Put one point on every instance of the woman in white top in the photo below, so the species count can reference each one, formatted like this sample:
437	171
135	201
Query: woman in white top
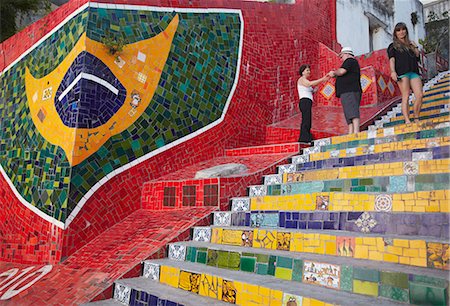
305	93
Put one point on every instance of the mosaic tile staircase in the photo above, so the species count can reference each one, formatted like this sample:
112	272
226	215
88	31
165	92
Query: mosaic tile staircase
376	232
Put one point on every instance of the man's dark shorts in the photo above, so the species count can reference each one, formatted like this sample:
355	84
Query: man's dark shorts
350	102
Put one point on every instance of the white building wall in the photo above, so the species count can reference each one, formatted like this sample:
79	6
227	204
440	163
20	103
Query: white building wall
403	10
353	18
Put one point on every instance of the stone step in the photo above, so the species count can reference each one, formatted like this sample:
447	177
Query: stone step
108	302
421	167
438	130
407	250
433	200
434	115
351	273
430	225
313	155
378	132
369	159
425	114
237	288
145	291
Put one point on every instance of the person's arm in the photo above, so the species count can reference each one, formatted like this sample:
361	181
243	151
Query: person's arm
415	48
394	75
340	71
308	83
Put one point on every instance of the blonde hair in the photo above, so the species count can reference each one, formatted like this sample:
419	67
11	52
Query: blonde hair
398	44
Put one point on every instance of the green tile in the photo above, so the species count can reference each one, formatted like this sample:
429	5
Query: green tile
262	258
399	280
262	268
284	262
394	293
347	278
234	260
191	254
212	258
297	270
201	257
422	294
248	264
437	282
366	274
271	268
283	273
222	259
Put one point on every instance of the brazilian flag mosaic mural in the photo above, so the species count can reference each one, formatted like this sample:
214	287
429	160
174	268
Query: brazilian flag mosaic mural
72	113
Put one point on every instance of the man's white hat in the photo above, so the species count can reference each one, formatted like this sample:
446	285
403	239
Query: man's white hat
347	50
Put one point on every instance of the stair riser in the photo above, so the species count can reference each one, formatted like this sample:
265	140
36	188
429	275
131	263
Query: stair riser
348	277
432	224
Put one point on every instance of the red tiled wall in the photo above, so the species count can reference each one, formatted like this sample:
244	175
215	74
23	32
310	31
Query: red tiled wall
273	49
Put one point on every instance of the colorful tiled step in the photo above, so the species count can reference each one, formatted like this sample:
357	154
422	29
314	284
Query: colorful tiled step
237	288
407	250
391	281
368	159
420	201
373	131
148	292
430	224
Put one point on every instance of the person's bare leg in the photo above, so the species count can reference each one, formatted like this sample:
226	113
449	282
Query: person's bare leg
355	124
405	90
416	85
350	128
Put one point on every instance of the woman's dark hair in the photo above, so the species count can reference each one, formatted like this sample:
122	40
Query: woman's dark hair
399	45
303	67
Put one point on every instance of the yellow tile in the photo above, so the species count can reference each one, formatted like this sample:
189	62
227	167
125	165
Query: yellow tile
375	255
315	302
420	262
366	288
401	243
390	258
394	250
411	252
417	244
404	260
330	248
361	251
369	241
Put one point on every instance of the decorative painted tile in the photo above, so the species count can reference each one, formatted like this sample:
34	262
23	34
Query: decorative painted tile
438	255
322	142
247	238
295	177
322	274
257	191
345	246
240	204
371	134
366	222
411	168
141	56
350	151
141	77
432	144
189	281
229	291
264	220
382	83
322	202
383	202
300	159
327	91
283	241
416	156
222	218
47	93
311	150
122	293
202	234
346	278
287	169
365	82
292	300
390	131
391	88
273	179
151	270
334	153
177	252
397	183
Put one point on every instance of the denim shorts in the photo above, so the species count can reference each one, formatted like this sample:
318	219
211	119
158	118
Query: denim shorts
409	75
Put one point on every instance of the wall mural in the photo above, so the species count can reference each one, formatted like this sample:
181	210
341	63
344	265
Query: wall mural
73	114
13	282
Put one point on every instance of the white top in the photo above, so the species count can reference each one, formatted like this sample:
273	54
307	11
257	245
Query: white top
304	92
